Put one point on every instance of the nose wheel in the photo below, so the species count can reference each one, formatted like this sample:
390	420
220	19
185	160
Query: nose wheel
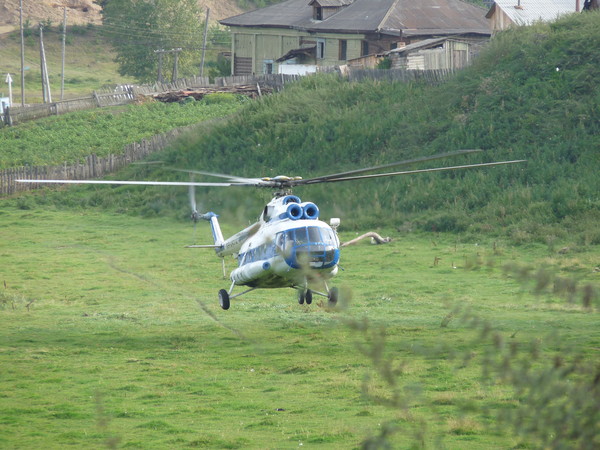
224	299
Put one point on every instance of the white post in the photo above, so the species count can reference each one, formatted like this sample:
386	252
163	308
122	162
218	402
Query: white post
9	81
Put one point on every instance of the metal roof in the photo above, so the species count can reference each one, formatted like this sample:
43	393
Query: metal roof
395	17
305	50
331	3
526	12
424	44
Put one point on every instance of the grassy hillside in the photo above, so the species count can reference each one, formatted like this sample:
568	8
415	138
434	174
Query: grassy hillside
69	139
88	63
533	94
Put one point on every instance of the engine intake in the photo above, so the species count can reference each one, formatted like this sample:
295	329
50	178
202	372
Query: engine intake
294	211
310	211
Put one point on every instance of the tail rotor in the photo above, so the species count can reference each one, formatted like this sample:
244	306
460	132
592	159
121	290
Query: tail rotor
195	216
192	195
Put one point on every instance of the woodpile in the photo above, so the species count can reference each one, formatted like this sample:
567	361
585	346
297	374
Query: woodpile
249	90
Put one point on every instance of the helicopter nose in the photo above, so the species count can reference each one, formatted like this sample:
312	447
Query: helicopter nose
313	256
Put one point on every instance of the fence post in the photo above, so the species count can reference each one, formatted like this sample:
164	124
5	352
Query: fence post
7	116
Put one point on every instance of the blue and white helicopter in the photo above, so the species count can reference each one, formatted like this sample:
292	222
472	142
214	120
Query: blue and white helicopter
289	246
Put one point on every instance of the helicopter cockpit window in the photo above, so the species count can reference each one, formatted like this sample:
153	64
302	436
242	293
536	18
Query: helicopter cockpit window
316	246
301	236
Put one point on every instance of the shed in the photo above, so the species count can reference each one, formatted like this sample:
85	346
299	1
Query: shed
506	13
433	54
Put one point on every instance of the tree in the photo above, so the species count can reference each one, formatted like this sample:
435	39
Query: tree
138	28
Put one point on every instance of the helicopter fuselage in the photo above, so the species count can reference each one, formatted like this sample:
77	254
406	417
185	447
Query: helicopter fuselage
288	247
288	253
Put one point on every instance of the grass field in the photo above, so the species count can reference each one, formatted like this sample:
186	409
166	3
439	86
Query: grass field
111	336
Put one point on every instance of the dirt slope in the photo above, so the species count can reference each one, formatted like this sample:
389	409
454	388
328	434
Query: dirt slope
84	11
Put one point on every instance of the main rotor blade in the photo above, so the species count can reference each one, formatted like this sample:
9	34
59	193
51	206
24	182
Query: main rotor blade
135	183
330	177
437	169
232	178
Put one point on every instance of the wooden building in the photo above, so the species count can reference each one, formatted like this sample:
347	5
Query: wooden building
298	36
507	13
437	53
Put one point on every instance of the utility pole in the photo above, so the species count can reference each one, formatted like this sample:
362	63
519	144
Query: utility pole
45	79
204	42
64	39
159	77
160	53
22	54
175	74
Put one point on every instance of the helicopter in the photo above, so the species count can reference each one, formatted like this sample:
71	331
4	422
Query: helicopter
288	246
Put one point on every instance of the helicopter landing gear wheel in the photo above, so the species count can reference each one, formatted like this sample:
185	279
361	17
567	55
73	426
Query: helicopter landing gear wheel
308	296
224	299
332	297
305	296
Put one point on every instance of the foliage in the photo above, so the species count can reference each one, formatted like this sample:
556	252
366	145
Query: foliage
70	138
219	68
557	395
385	63
137	29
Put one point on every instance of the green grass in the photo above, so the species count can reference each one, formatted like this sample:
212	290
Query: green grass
72	137
111	334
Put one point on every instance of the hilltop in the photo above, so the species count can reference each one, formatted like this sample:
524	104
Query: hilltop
82	12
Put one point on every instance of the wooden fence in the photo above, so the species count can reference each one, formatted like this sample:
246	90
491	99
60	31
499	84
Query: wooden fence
92	167
98	99
432	77
121	95
181	84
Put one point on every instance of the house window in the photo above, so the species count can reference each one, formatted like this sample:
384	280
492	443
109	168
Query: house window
320	48
268	66
318	13
364	48
343	50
